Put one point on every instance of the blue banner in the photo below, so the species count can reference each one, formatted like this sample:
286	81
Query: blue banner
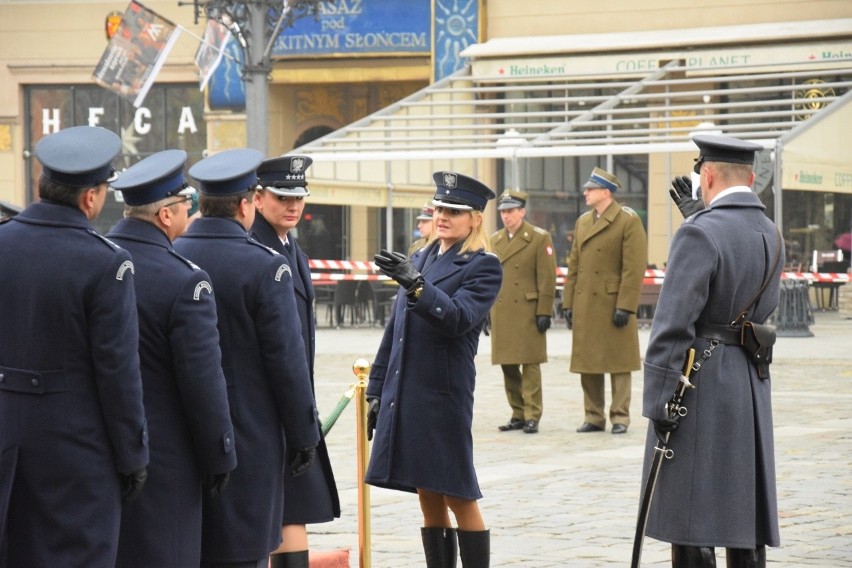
456	27
360	26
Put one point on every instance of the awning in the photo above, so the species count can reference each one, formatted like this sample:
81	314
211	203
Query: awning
583	104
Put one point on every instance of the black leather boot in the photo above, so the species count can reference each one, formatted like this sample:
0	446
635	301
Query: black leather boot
289	560
693	556
475	548
746	557
439	545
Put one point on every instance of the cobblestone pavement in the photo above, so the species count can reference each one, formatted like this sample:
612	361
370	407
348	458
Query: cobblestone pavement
562	499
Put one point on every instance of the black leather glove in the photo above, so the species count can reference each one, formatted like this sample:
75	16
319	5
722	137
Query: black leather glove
665	426
542	323
214	483
569	317
681	193
372	415
620	317
397	266
131	485
302	460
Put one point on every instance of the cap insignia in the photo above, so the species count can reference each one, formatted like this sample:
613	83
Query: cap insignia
450	181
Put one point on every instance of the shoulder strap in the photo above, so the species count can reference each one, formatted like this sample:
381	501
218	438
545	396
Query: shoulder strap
744	312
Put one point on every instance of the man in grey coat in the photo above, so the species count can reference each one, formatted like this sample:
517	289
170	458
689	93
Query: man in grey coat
719	487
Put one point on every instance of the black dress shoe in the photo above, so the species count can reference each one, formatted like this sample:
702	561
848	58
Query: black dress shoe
589	427
512	424
619	428
531	427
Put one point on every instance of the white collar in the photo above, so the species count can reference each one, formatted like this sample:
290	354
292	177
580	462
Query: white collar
729	191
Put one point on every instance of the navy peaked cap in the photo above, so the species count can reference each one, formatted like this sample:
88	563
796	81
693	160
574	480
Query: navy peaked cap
457	191
229	172
154	178
714	148
80	156
285	175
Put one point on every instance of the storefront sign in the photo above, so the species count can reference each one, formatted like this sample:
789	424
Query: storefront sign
360	26
702	60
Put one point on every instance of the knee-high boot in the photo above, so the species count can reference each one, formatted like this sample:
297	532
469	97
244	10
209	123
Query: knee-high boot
289	560
746	557
693	556
475	548
439	545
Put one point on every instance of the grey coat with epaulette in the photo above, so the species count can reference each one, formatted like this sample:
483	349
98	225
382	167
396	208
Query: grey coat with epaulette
719	488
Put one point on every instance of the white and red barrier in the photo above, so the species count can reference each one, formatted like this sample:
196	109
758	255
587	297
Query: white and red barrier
319	270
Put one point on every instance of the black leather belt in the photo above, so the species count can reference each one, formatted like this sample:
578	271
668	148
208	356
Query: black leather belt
721	333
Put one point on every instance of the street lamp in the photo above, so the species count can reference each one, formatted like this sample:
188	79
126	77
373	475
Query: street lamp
243	19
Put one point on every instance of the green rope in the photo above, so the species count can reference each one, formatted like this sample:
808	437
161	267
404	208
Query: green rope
337	411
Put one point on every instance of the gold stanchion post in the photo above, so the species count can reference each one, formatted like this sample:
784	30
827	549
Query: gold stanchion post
361	368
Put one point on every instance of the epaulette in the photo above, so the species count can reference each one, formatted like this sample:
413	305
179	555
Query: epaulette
628	210
257	243
185	260
539	230
104	240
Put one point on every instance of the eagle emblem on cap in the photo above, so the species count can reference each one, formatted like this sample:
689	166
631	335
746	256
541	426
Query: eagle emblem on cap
297	165
450	180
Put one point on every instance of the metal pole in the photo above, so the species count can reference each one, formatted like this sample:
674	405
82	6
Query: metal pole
361	368
256	73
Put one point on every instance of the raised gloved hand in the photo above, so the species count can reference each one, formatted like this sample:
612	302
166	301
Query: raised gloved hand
542	323
681	193
214	483
397	266
620	317
569	319
664	426
372	415
302	460
131	485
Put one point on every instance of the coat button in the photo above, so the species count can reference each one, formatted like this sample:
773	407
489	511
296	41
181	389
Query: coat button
438	310
34	382
2	377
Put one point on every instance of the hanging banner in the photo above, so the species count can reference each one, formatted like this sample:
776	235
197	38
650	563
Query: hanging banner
211	50
136	52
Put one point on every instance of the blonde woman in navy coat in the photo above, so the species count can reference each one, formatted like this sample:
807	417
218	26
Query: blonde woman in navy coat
186	402
422	381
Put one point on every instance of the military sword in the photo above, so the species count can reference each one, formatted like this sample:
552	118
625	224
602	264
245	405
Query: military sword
676	411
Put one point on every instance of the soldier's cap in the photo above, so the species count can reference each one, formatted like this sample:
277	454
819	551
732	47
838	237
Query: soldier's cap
80	156
229	172
285	176
601	178
457	191
714	148
426	213
511	199
156	177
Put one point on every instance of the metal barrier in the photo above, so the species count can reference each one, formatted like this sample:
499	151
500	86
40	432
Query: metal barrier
793	316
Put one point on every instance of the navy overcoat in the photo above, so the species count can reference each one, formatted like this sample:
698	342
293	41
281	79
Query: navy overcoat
269	387
71	414
312	496
425	374
186	403
719	488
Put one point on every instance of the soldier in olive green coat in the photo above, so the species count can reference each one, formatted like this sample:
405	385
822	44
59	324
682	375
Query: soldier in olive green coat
605	272
521	315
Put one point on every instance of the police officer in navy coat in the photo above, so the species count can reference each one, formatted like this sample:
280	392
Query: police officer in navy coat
72	426
263	357
191	436
310	497
422	381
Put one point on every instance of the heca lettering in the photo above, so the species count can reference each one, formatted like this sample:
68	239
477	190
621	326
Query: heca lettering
51	120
